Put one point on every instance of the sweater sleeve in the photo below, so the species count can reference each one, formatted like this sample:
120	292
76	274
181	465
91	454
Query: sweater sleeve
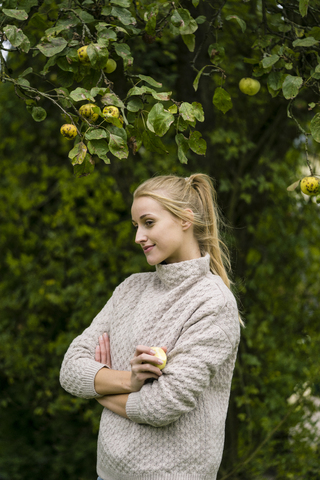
203	348
79	368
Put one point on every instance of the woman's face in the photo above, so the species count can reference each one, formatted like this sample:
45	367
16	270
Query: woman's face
163	237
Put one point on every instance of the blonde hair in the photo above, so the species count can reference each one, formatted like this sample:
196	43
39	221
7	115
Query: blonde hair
177	194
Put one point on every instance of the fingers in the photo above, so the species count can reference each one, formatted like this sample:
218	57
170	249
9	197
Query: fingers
103	352
97	354
103	349
107	343
164	349
143	349
146	363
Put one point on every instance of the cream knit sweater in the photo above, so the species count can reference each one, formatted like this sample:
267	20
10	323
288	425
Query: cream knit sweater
176	424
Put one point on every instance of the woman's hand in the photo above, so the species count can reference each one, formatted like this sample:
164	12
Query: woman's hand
103	353
141	369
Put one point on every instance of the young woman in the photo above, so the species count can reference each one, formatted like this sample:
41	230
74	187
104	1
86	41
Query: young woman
163	424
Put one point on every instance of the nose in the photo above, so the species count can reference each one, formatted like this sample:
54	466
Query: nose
140	236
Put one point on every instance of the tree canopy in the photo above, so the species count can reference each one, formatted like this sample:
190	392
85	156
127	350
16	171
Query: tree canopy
76	46
66	242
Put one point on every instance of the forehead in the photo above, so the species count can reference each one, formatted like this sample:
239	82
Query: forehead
146	205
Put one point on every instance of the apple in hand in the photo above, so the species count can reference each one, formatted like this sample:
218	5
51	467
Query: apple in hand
160	354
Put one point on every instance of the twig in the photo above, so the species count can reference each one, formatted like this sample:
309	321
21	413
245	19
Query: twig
264	15
84	26
307	156
207	32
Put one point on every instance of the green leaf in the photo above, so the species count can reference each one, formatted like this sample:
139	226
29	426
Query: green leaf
78	153
314	32
98	55
190	41
52	47
216	53
124	52
99	91
152	143
198	111
95	134
196	80
23	82
173	109
85	168
305	42
186	110
162	96
241	22
80	94
63	63
275	80
112	99
120	132
222	100
150	17
30	70
183	147
17	38
195	3
139	91
252	61
150	80
121	3
269	61
85	16
98	147
38	114
18	14
263	42
65	79
182	19
159	120
201	19
106	33
303	7
135	104
123	15
315	127
118	147
197	143
291	86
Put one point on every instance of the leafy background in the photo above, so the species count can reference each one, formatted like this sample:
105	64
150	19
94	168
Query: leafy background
67	242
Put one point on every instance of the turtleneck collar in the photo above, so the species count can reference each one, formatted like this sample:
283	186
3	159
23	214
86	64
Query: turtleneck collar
173	274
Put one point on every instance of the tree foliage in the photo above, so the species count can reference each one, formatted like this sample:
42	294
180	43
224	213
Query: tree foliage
73	42
66	243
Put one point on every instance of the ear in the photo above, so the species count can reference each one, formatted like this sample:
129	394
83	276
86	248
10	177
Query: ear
187	223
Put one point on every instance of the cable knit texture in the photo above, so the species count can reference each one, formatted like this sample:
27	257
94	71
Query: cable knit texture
176	424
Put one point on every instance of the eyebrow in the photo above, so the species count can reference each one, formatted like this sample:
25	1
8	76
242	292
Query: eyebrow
142	216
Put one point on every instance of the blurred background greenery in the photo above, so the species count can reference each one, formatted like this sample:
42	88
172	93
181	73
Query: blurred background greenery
67	242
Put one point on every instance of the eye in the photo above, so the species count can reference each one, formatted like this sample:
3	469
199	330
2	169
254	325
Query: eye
135	226
149	223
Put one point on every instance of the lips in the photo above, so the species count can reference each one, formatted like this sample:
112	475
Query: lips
147	248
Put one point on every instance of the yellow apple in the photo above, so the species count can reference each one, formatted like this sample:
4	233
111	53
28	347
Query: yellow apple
159	354
69	131
87	112
83	55
310	186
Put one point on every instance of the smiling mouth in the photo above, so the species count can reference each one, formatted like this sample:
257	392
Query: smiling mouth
148	248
